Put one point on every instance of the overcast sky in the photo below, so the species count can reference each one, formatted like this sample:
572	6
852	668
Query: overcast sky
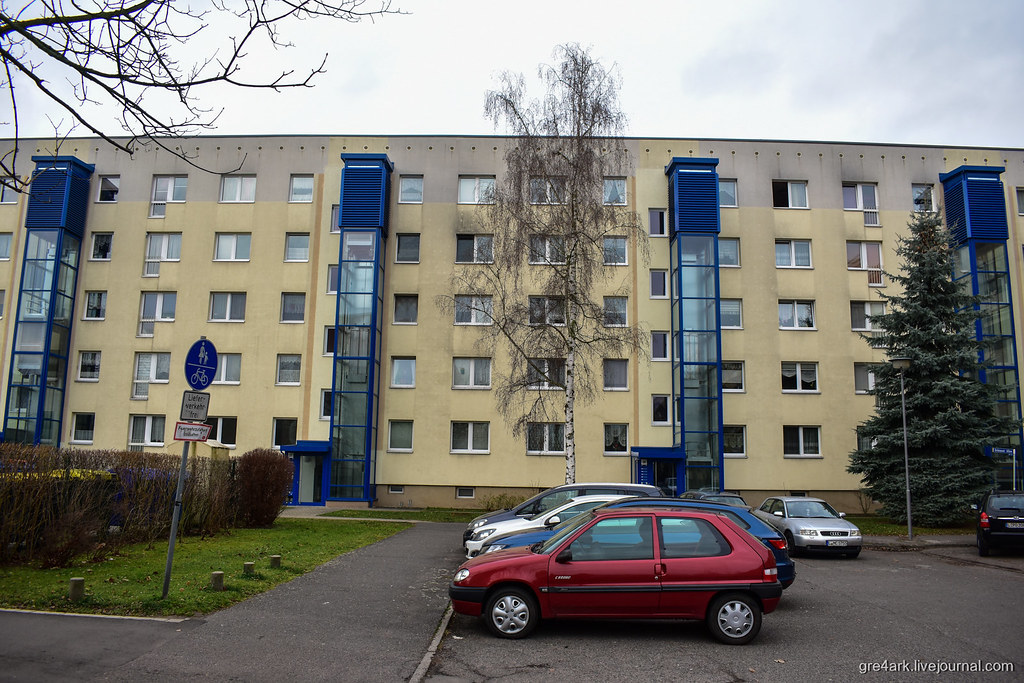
904	71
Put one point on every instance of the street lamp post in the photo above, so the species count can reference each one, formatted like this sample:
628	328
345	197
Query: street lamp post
902	364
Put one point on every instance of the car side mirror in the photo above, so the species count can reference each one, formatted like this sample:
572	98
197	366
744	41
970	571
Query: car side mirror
777	513
974	506
842	514
564	556
554	521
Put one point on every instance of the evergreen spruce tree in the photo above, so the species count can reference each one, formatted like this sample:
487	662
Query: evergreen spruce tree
950	413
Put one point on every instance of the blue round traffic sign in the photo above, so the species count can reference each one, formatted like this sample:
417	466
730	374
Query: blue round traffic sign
201	364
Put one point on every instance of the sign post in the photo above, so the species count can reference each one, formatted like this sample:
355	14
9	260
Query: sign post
1013	453
200	369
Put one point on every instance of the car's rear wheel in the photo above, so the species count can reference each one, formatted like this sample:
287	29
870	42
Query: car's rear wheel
511	613
983	547
734	618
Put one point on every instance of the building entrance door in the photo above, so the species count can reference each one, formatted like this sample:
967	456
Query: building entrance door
310	475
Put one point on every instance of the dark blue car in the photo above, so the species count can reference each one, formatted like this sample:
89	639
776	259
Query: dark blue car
743	517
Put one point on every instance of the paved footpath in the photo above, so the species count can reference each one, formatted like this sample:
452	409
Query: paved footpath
368	615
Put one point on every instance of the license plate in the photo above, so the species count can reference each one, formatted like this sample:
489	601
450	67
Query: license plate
835	542
1015	525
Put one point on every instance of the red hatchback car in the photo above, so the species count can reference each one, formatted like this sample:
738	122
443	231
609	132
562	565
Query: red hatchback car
630	563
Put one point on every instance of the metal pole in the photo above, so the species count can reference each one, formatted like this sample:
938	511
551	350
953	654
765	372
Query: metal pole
906	456
174	519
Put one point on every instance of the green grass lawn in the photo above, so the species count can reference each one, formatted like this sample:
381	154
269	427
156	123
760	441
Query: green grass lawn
424	515
131	582
880	526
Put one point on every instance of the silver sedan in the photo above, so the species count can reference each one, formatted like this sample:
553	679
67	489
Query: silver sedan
811	525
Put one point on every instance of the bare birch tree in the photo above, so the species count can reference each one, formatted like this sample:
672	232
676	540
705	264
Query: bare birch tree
558	217
140	57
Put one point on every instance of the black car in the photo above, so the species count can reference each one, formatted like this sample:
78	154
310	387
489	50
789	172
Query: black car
1000	521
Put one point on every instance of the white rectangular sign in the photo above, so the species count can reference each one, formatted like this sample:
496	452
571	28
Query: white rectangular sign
191	431
194	406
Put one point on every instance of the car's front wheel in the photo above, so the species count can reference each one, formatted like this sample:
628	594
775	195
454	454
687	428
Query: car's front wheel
511	613
791	542
734	618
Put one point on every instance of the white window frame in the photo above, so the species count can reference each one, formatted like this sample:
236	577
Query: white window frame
161	247
476	189
217	430
229	299
617	426
297	193
743	436
473	369
399	238
656	223
480	308
862	200
102	296
281	357
228	362
400	366
919	190
803	441
791	185
335	218
794	305
546	250
791	251
1020	201
146	325
547	310
391	436
668	349
407	297
545	430
615	311
735	197
6	239
326	404
876	276
108	184
229	242
668	410
743	376
863	371
731	240
547	190
288	249
798	368
8	195
540	370
483	248
739	309
333	278
607	364
291	297
167	189
283	421
865	308
615	250
465	492
238	188
97	358
75	430
614	193
140	383
110	246
410	189
471	429
150	424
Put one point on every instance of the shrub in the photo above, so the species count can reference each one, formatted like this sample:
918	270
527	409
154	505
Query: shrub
264	477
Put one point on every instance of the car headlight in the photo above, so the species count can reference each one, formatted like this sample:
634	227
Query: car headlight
481	535
855	532
808	532
461	575
492	548
478	523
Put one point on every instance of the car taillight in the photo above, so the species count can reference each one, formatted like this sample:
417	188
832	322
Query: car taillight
983	521
771	574
779	543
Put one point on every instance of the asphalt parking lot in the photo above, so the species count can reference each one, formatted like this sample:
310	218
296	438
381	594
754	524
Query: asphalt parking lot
884	614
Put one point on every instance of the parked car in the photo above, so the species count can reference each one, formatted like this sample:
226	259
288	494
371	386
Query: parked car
1000	521
633	563
811	525
727	497
743	517
550	518
556	496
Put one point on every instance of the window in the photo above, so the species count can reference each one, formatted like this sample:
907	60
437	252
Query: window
161	246
792	253
329	340
800	377
471	437
862	197
473	249
406	309
358	246
3	298
285	431
659	346
293	307
296	246
545	373
231	246
547	249
615	439
288	368
332	278
335	214
229	369
732	313
301	189
923	197
167	189
410	189
8	195
84	427
861	312
408	248
465	492
110	185
615	191
325	404
476	190
224	430
659	409
102	242
727	193
1020	201
615	311
156	307
729	252
732	375
403	372
545	437
547	190
235	189
400	435
734	441
615	374
863	378
656	223
474	310
150	368
145	430
801	441
796	315
614	251
866	256
5	246
471	373
547	310
95	306
89	366
227	307
788	194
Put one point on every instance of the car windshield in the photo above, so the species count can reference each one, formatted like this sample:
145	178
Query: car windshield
1012	503
564	530
810	508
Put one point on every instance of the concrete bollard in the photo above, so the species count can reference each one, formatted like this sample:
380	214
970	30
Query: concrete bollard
275	561
76	589
217	581
247	568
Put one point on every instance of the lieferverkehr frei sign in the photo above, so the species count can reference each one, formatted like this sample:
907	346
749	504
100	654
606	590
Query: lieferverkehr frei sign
195	405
